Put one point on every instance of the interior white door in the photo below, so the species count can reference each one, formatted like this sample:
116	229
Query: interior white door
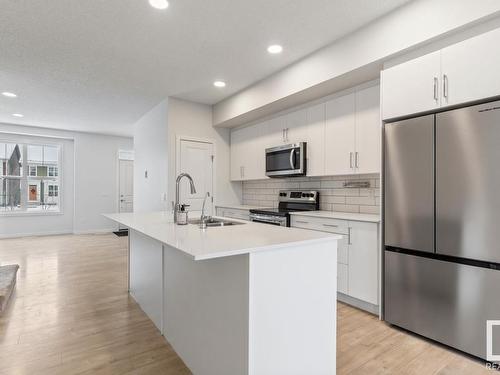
368	130
470	69
126	187
196	158
340	135
412	87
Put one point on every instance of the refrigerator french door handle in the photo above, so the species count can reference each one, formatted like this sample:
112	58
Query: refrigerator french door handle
445	86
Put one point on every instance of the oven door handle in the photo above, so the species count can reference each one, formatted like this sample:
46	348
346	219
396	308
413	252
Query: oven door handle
265	219
292	158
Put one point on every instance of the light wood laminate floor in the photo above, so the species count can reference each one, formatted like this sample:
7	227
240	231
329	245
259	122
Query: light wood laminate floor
71	314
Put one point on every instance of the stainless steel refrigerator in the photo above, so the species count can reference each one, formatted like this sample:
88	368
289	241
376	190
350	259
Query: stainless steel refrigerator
442	226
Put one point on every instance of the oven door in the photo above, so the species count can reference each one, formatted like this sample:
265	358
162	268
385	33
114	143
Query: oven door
287	160
281	221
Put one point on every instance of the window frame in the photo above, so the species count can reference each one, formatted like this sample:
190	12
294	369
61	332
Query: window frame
23	142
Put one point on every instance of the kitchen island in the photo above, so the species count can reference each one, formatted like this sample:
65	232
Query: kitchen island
239	299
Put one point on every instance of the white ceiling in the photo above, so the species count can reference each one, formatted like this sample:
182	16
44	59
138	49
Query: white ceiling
99	65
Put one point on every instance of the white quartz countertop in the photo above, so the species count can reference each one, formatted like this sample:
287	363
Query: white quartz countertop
340	215
216	242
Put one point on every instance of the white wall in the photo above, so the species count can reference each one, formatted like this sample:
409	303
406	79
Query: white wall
363	52
195	120
97	180
151	155
90	183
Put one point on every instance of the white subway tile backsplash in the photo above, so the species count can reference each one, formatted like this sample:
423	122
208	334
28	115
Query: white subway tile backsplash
369	210
366	201
333	195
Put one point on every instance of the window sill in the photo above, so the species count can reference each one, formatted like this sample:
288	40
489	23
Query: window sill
24	213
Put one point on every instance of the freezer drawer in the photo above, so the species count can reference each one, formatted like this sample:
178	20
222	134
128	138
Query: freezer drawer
409	184
468	182
444	301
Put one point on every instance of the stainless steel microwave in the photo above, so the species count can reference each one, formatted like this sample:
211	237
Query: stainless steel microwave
287	160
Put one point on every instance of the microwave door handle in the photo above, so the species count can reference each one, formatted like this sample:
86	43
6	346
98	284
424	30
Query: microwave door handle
292	158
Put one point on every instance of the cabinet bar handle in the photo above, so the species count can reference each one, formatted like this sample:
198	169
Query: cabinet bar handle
330	225
357	160
445	86
301	222
350	159
435	88
349	236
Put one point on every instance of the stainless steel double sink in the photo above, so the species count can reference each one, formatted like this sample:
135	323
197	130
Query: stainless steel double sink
214	222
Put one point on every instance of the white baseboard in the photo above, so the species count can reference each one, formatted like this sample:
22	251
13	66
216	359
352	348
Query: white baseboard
94	231
57	233
35	234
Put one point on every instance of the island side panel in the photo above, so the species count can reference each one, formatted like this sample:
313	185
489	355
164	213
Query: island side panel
146	275
206	312
293	311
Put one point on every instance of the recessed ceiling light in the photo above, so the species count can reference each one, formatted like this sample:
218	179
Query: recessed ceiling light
17	115
9	94
275	48
159	4
220	84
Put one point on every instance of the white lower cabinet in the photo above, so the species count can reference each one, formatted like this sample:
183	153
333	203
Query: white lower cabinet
363	262
357	254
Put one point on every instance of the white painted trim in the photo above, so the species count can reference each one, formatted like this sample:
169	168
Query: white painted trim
35	234
126	155
94	231
37	135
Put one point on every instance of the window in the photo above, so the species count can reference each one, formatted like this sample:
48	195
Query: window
53	191
31	186
53	172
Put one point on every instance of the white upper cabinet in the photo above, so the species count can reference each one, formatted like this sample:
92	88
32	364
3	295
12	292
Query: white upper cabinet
296	126
315	138
368	131
412	87
352	133
275	134
471	69
247	153
340	135
461	73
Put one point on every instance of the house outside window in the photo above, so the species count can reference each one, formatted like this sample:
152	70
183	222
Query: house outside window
29	178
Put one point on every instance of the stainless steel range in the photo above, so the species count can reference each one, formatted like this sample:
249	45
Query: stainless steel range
289	201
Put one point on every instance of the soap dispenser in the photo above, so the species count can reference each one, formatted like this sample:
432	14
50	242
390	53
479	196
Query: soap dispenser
182	215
